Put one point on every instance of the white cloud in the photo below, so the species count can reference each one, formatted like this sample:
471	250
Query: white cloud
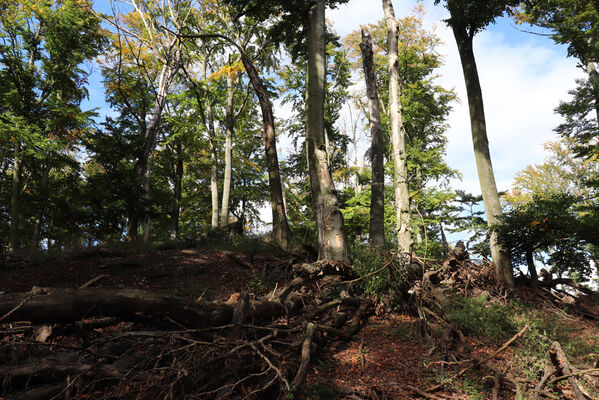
523	79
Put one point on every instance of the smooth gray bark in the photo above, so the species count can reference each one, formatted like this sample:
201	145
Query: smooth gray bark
377	200
143	164
13	237
177	190
229	122
209	125
398	138
484	167
329	220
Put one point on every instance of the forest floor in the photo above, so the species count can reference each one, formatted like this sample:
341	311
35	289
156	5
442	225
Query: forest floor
387	356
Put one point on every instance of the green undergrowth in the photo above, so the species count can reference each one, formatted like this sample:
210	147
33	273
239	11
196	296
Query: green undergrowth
390	283
494	322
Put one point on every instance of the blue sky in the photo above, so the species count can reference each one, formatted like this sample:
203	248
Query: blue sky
523	77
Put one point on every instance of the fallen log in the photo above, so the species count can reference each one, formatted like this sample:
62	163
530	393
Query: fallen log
68	305
563	368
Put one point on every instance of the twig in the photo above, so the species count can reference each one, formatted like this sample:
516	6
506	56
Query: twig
361	352
306	347
274	368
475	362
93	280
370	273
539	386
421	392
8	314
566	376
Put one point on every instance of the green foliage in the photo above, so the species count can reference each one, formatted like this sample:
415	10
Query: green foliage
551	226
478	316
389	283
474	16
495	321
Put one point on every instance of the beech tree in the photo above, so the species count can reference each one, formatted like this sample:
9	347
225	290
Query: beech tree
467	18
377	191
42	47
329	220
574	23
148	30
398	139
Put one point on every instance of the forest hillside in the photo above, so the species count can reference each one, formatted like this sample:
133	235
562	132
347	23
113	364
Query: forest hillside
260	207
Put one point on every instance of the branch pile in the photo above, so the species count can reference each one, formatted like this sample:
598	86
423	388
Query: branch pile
133	344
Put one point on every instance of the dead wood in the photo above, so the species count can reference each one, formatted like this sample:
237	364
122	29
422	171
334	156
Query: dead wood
478	362
219	350
563	368
68	305
44	392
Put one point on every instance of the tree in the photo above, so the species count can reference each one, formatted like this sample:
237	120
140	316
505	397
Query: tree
329	220
377	191
425	106
549	225
574	24
151	26
398	139
243	38
42	85
467	18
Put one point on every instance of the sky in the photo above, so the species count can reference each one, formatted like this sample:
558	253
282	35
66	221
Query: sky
523	78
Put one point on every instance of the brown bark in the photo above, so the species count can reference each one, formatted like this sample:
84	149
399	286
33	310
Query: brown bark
501	260
329	220
67	305
377	200
532	269
398	138
280	225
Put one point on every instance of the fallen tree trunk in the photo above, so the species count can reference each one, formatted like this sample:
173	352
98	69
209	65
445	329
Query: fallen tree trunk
68	305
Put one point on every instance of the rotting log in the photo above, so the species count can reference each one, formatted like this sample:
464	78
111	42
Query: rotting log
563	368
68	305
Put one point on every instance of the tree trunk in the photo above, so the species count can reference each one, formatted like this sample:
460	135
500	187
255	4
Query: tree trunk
229	122
594	80
209	125
68	305
37	226
377	200
280	226
14	199
503	266
178	180
532	269
142	166
213	165
329	220
398	138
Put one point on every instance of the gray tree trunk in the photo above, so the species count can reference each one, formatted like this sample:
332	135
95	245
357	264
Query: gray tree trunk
398	138
229	122
178	180
329	220
142	166
37	226
212	141
377	200
13	237
501	260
